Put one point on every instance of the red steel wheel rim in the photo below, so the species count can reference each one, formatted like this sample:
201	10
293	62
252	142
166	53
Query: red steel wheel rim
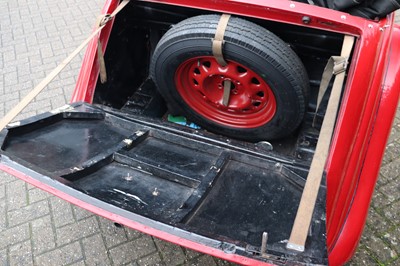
200	82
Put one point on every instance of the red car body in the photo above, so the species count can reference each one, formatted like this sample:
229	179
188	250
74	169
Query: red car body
362	128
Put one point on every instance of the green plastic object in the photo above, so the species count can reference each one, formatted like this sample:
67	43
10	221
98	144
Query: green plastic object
181	120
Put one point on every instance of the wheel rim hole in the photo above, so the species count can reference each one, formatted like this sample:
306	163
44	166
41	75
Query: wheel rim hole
195	82
256	104
207	64
197	71
260	94
255	81
241	70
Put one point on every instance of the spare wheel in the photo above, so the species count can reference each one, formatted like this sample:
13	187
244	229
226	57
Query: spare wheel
268	84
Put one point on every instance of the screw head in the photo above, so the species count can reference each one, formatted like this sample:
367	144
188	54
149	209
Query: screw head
306	20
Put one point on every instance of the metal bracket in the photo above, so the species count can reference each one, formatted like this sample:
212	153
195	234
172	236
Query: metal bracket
339	64
227	92
264	241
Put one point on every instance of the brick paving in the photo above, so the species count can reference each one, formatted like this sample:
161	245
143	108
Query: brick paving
37	228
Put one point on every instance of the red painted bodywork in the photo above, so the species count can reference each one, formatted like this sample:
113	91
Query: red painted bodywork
365	118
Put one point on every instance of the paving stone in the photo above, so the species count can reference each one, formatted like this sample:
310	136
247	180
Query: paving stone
62	212
6	178
57	102
3	257
379	200
95	251
221	262
134	263
21	254
11	96
16	195
25	85
40	107
10	104
75	231
392	212
14	235
394	133
36	195
191	254
132	250
392	152
391	190
202	260
132	234
3	215
21	47
362	257
80	213
45	50
395	262
2	191
377	222
62	256
48	94
25	115
377	247
80	263
392	237
171	254
391	170
112	235
8	57
43	237
30	186
10	79
152	259
28	213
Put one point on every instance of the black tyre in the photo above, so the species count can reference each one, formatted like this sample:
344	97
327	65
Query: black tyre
269	85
